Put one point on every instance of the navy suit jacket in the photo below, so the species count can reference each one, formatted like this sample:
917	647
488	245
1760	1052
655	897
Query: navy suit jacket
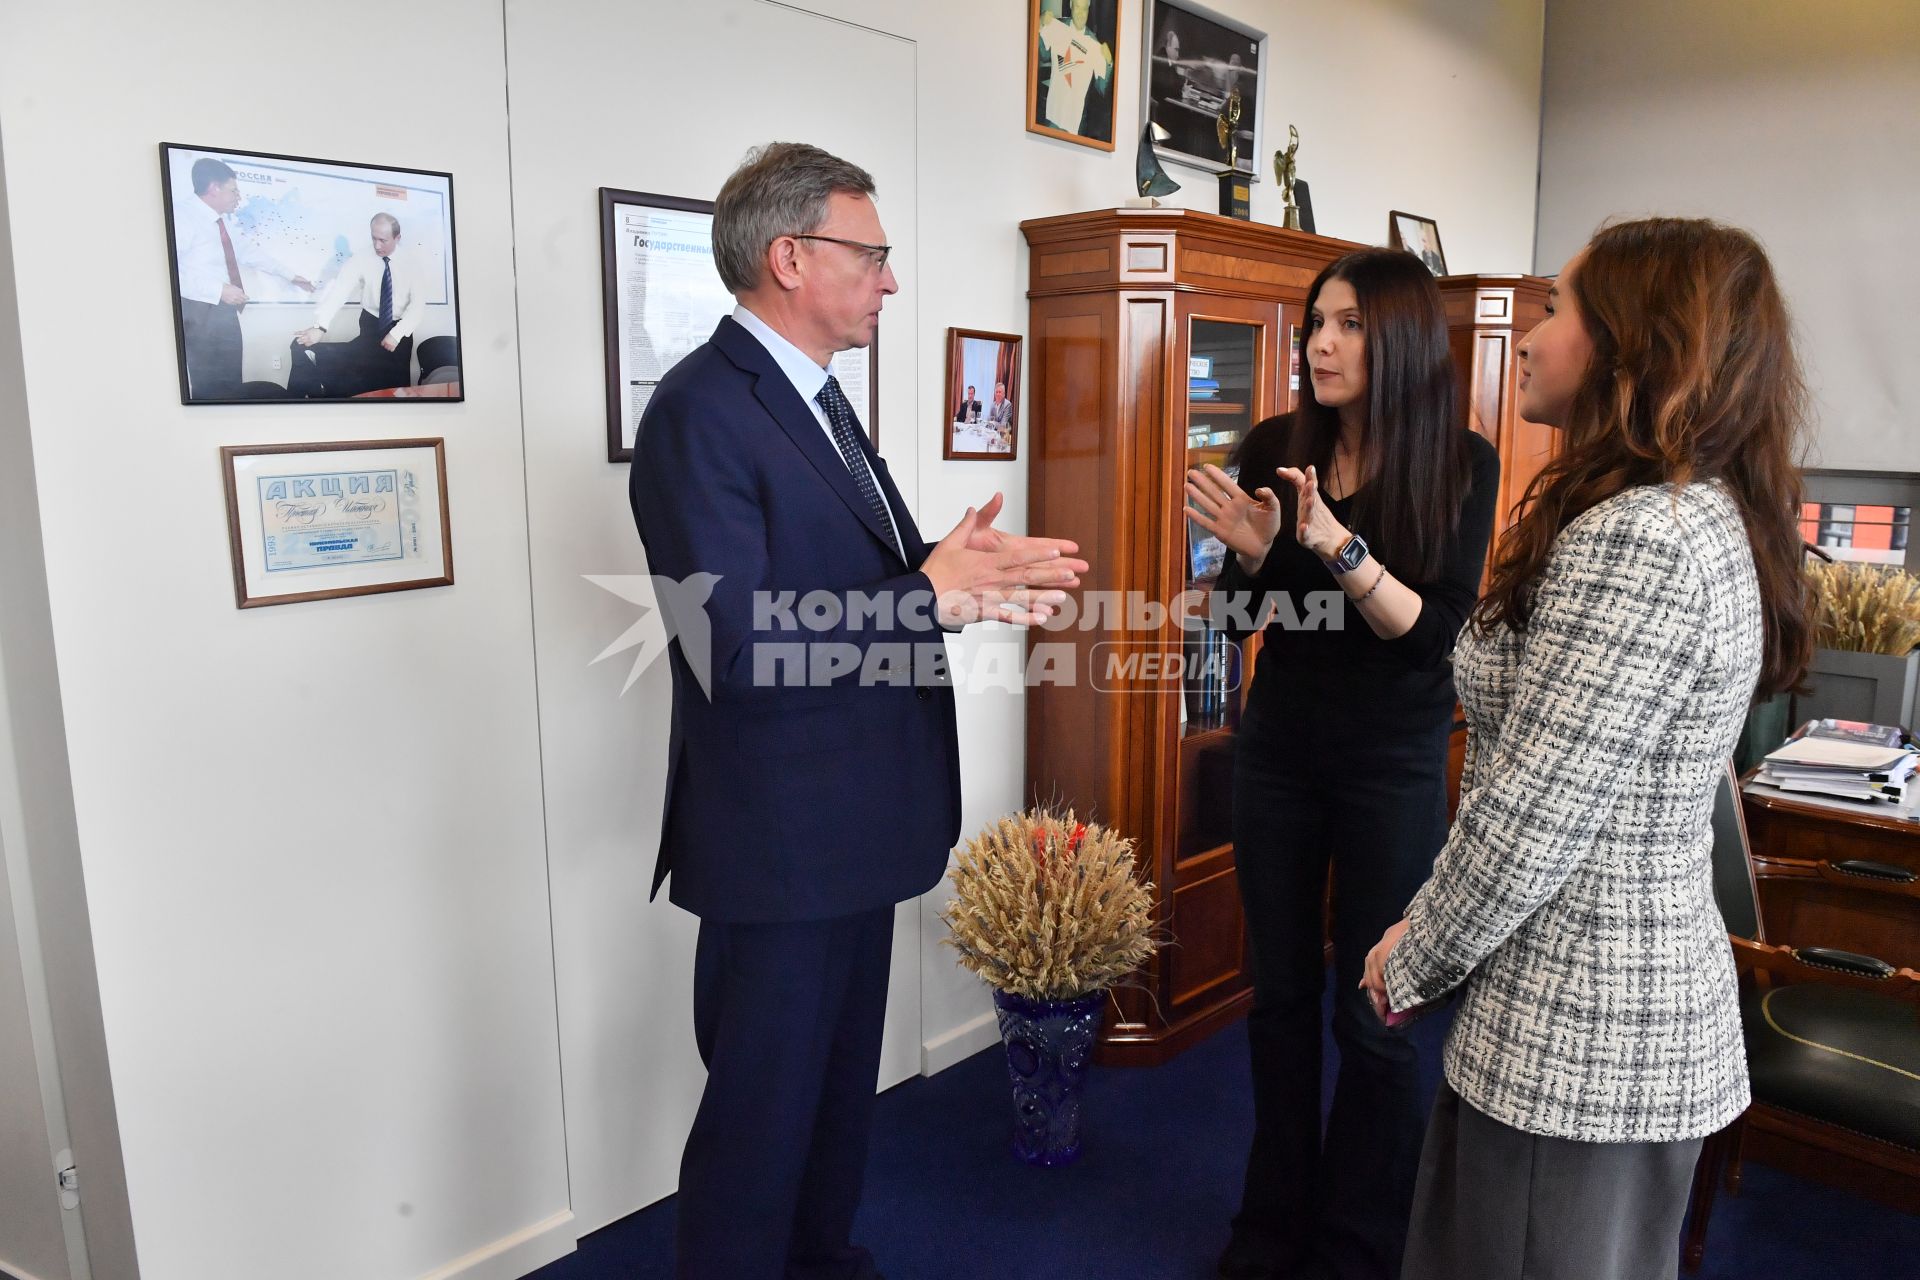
789	803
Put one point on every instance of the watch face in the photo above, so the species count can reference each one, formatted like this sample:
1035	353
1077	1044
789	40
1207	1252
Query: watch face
1353	555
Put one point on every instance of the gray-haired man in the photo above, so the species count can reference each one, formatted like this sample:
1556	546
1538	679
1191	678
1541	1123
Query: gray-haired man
798	814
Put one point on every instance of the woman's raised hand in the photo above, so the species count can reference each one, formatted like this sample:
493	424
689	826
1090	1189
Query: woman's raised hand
1247	524
1314	527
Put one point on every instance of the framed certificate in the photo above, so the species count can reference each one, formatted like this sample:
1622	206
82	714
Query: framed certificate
661	297
320	521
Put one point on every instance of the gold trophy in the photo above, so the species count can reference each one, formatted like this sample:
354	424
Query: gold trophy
1283	173
1235	187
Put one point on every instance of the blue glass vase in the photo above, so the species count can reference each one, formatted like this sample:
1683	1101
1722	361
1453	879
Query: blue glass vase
1049	1047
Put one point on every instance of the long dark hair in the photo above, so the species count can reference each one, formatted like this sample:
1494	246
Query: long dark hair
1418	467
1693	377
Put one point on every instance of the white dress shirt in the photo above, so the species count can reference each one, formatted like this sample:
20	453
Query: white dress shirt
363	271
202	260
807	378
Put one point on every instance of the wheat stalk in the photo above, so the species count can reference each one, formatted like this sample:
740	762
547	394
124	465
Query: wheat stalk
1049	908
1865	608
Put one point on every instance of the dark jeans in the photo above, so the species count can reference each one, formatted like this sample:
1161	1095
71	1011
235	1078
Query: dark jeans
1306	796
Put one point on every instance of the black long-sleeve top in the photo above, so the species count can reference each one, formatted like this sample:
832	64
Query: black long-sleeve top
1403	684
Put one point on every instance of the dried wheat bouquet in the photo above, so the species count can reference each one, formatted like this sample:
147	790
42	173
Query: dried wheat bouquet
1048	908
1864	608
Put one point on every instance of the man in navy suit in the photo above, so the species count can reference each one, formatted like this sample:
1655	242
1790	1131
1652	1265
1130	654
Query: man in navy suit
813	774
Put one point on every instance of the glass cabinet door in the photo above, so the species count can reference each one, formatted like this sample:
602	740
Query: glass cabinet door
1223	388
1231	381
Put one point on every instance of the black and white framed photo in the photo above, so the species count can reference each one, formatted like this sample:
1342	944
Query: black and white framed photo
302	279
323	521
661	296
982	409
1071	46
1196	62
1420	237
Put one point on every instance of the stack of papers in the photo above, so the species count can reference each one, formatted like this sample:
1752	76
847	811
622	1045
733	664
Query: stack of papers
1844	758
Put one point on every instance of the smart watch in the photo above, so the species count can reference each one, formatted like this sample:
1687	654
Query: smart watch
1351	555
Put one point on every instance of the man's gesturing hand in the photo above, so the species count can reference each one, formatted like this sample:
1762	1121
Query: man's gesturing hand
980	573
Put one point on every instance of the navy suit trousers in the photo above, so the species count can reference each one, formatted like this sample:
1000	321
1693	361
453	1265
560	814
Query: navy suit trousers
788	1019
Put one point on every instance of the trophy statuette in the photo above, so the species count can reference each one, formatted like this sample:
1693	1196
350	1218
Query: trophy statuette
1283	172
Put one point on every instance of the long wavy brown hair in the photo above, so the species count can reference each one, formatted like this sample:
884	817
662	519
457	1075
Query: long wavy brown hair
1693	378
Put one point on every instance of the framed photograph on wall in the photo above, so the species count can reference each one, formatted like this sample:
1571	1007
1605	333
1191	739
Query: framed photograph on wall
982	409
1195	61
1070	61
303	279
322	521
661	297
1420	237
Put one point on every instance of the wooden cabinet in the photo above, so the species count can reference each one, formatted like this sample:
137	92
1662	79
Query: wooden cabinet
1487	317
1158	338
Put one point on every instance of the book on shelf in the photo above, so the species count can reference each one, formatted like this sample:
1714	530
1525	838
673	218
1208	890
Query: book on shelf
1211	666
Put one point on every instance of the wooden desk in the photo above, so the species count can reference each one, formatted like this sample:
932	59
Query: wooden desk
1781	826
432	391
1806	901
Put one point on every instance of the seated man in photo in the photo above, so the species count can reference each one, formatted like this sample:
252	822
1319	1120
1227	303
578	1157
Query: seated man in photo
392	302
968	410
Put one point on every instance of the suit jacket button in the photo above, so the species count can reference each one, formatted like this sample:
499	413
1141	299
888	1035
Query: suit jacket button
921	692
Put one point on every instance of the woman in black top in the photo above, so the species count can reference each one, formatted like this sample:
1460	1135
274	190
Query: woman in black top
1383	497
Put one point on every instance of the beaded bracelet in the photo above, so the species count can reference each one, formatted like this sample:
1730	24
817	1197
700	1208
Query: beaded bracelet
1362	599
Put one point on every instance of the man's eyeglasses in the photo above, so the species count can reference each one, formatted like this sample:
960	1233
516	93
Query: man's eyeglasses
879	251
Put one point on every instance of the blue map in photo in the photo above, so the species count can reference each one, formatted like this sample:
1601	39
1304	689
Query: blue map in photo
312	217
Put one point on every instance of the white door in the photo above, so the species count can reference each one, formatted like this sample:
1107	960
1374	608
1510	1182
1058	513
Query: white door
661	98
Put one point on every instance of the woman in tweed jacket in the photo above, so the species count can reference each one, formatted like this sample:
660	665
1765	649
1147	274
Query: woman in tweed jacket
1650	587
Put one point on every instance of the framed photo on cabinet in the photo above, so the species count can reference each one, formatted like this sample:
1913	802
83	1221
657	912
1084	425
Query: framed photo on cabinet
1420	237
323	521
982	409
1201	83
1070	62
303	279
661	297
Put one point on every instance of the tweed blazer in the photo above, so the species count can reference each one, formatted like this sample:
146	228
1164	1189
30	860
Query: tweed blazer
1574	896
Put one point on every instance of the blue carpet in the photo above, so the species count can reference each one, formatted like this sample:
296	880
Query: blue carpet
1160	1176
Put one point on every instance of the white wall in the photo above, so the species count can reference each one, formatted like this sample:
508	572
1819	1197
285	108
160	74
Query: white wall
56	1091
32	1238
1798	121
333	1023
311	834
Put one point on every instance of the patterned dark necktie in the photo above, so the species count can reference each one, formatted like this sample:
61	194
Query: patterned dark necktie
386	297
846	438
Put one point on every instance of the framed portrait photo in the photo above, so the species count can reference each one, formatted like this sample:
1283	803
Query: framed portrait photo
302	279
661	297
982	409
1201	80
322	521
1418	236
1071	47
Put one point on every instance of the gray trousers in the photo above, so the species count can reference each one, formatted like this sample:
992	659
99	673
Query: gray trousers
1494	1203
